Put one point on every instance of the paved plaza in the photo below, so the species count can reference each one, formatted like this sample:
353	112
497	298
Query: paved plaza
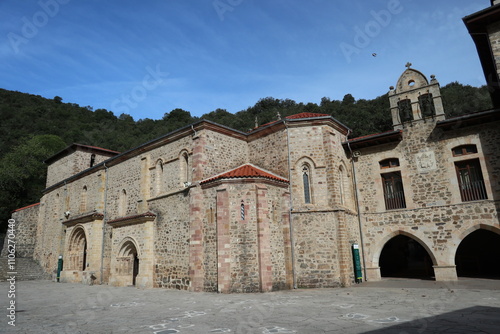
390	306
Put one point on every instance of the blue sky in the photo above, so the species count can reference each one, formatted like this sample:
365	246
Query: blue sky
146	58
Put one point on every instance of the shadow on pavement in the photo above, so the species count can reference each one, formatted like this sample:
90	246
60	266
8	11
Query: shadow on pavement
477	319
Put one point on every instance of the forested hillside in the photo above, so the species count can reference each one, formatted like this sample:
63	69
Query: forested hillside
33	128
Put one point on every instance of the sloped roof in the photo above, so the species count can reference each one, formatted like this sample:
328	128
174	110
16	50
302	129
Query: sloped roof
243	172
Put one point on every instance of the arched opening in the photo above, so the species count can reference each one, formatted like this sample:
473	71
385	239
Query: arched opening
77	252
83	200
128	262
478	255
159	177
185	175
426	105
122	203
404	257
405	110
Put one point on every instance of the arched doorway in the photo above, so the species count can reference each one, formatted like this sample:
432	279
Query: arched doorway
77	251
478	255
404	257
128	261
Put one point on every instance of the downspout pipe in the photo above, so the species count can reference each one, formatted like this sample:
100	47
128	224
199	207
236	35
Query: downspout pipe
290	221
62	244
357	204
104	219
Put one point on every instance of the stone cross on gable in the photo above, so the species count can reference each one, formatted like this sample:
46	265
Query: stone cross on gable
408	65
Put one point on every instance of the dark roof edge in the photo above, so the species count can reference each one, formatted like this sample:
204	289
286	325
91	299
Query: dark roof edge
74	146
118	156
371	137
289	120
465	117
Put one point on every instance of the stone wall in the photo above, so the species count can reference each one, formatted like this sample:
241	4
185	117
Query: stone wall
26	220
246	240
73	163
435	215
270	151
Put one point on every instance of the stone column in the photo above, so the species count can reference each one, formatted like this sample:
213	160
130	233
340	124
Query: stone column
196	256
223	242
445	273
263	240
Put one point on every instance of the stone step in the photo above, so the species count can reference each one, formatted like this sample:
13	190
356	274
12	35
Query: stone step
26	269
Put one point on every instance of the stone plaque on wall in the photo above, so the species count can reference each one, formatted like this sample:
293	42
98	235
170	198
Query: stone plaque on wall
426	161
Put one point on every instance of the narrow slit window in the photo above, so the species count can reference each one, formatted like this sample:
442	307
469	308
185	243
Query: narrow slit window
306	181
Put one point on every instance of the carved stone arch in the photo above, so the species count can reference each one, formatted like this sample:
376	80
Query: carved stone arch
389	236
127	260
404	254
76	258
305	159
124	247
477	253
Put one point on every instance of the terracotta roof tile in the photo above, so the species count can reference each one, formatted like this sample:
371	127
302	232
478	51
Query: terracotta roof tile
306	115
26	207
245	171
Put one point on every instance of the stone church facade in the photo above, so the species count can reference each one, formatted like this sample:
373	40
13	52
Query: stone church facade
209	208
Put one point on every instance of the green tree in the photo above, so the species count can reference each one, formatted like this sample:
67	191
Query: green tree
23	173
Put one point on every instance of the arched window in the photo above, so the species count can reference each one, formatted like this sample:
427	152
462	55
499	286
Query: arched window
122	203
306	180
341	186
405	111
92	160
184	170
83	200
159	177
426	105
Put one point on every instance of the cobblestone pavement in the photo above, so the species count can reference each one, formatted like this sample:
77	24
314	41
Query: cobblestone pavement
390	306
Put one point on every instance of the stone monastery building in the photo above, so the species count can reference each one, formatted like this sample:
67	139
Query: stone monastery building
209	208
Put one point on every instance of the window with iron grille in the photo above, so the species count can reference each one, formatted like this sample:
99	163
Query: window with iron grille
470	180
394	196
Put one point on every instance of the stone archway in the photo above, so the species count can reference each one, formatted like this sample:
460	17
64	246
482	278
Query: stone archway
77	251
403	256
478	255
127	263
